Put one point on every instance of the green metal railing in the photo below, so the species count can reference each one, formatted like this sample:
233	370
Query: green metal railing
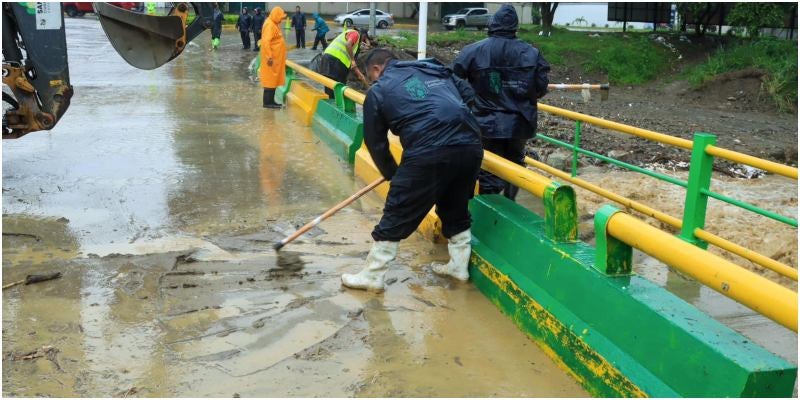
698	185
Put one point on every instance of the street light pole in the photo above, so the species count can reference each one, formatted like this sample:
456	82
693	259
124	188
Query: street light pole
422	39
372	19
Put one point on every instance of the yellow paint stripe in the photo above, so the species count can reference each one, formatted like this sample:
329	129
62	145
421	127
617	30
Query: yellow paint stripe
306	97
597	364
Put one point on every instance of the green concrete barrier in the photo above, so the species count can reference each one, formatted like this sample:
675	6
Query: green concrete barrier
618	335
282	91
342	131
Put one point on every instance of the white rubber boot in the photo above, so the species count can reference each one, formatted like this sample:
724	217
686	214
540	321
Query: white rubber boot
371	277
460	249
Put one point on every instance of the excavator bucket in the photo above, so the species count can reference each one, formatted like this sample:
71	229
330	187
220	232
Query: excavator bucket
144	41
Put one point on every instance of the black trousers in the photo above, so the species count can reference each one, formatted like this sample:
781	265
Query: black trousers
256	37
320	39
331	67
444	178
300	37
512	149
245	39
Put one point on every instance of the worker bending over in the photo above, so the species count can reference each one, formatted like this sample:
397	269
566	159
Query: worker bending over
339	58
426	106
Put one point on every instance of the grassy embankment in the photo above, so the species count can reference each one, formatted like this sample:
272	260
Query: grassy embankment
635	58
777	59
629	59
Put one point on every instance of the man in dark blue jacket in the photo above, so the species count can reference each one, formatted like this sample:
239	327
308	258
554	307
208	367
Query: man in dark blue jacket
508	76
258	23
425	105
299	25
245	25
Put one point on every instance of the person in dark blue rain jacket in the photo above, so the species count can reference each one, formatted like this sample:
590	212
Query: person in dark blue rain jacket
424	104
508	76
245	24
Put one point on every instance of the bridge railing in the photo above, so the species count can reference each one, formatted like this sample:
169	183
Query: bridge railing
697	186
561	216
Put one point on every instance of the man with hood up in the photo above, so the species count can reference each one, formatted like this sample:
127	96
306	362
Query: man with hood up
273	57
245	25
426	106
258	23
322	29
508	76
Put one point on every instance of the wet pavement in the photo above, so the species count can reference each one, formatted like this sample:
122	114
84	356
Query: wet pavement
159	195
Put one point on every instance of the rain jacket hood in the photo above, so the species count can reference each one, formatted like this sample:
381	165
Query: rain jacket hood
508	76
276	15
273	46
504	22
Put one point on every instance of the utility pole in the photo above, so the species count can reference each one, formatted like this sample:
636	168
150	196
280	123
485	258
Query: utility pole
372	19
422	40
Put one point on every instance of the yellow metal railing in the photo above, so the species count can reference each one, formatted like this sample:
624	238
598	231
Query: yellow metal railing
715	151
729	155
676	223
756	292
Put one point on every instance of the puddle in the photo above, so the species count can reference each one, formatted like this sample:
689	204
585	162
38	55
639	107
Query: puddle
173	184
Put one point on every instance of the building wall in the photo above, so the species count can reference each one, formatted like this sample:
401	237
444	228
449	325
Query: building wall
398	9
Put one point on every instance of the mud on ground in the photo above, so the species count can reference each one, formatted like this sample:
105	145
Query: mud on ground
224	316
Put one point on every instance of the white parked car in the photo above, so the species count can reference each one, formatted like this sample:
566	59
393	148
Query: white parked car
360	17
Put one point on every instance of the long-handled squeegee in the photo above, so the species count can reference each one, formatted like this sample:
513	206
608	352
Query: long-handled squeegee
277	246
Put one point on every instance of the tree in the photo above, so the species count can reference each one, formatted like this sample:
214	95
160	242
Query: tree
701	13
754	16
536	15
548	11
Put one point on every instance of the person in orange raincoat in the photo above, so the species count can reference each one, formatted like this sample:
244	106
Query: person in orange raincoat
273	57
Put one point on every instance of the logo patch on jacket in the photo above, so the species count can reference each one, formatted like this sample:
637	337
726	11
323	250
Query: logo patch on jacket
416	88
495	82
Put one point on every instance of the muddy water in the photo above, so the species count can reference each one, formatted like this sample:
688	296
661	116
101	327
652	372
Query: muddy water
158	196
750	230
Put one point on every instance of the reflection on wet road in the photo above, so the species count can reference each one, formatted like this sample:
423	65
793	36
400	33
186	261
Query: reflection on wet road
158	196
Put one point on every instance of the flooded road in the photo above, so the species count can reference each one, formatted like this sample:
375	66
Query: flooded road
159	195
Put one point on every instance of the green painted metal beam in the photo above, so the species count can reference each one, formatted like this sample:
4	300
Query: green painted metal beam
665	178
618	335
342	131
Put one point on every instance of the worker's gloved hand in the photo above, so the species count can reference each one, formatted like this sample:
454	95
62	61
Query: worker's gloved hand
387	169
269	62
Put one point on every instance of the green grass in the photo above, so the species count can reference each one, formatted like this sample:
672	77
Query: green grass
777	58
627	59
228	19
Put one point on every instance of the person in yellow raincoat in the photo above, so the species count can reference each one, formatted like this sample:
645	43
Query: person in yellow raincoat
273	57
